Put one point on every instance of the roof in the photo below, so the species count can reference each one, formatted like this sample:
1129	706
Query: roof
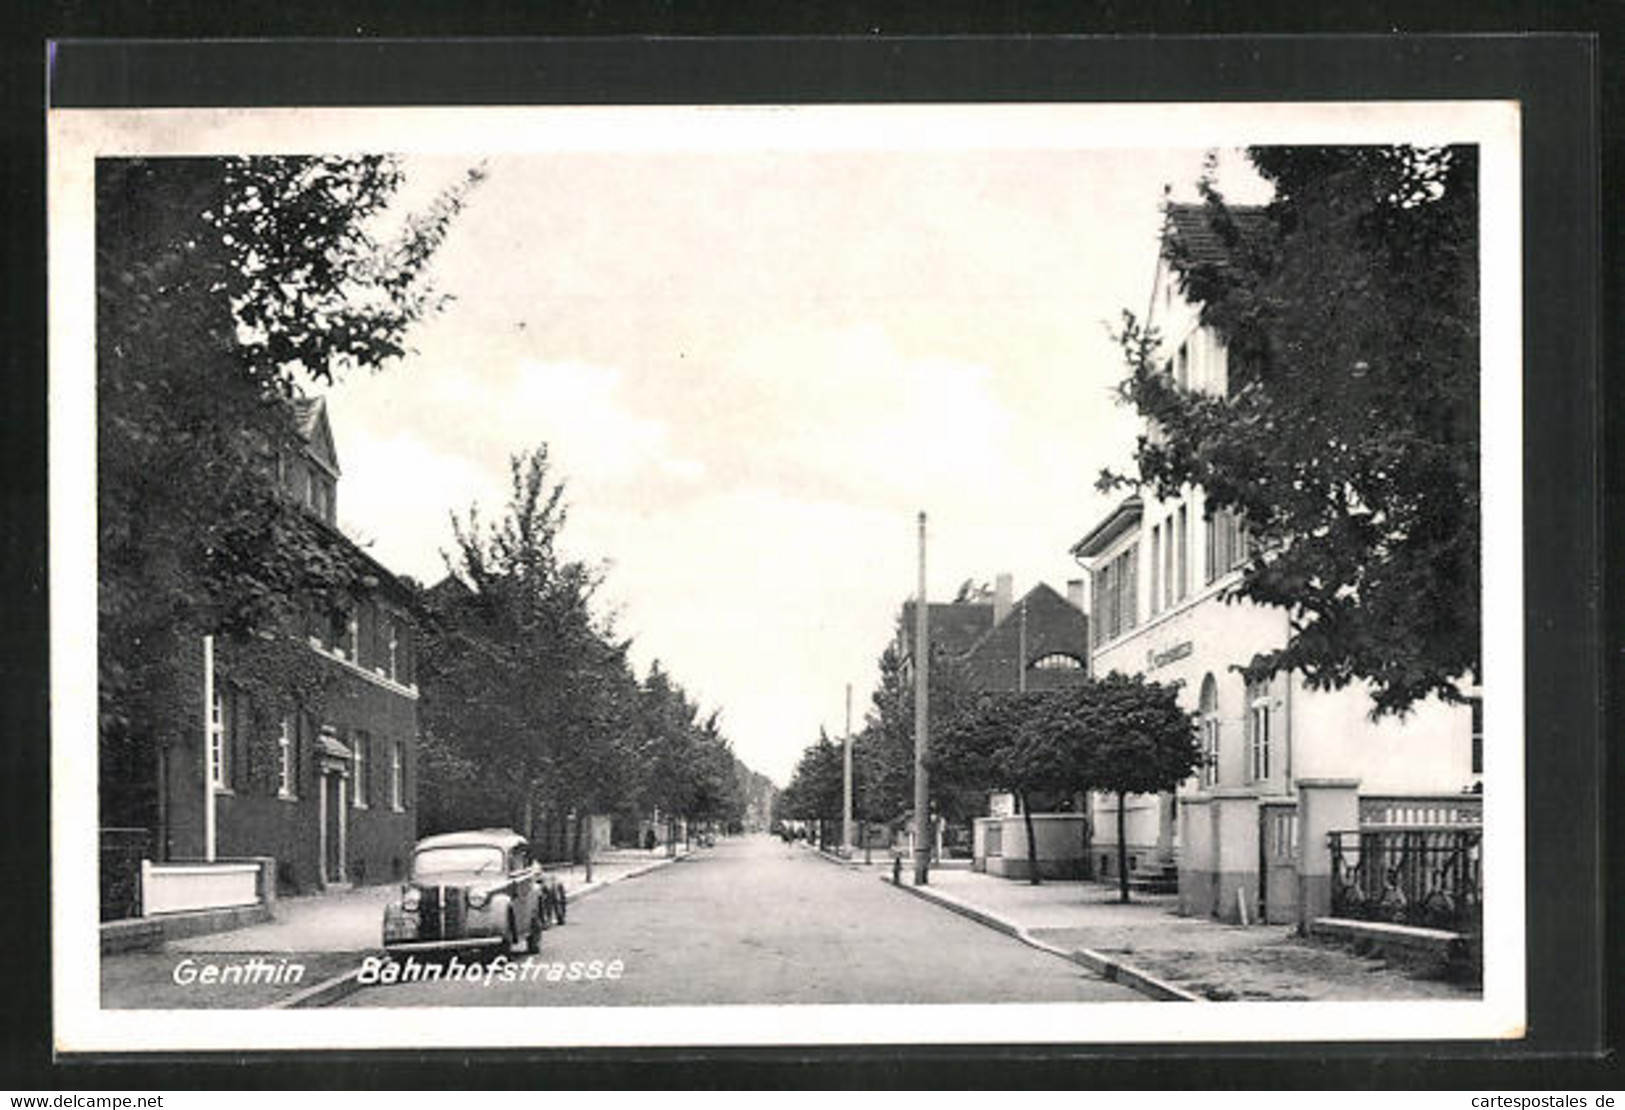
954	625
1124	517
473	838
1191	225
310	421
1053	626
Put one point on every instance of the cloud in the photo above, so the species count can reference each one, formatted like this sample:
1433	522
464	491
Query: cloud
590	429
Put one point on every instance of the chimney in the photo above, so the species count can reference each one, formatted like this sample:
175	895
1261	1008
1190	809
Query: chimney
1074	593
1002	600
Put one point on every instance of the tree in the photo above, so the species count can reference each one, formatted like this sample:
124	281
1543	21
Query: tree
521	681
1122	735
1006	742
885	748
814	792
222	286
1348	439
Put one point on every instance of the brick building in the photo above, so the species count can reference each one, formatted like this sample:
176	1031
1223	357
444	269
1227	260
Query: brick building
328	793
1039	642
1002	644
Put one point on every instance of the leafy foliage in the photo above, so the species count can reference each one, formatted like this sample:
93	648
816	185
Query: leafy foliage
815	790
883	753
1348	437
530	698
222	286
1118	734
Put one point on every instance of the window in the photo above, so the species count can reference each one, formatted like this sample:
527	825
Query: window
217	740
337	631
1210	549
397	775
326	507
1167	566
1182	367
393	650
1156	570
1210	732
352	637
1114	585
1058	661
284	754
1226	543
1182	563
1258	720
362	794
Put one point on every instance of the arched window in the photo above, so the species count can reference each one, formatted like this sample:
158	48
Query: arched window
1058	661
1210	731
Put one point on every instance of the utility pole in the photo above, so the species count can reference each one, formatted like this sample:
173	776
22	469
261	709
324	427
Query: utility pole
1021	650
846	780
210	772
922	663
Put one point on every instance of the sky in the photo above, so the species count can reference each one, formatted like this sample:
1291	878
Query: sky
752	368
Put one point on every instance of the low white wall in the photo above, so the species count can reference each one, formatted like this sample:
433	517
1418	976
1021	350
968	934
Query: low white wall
185	887
1060	842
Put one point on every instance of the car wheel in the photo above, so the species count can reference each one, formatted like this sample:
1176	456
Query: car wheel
533	938
558	906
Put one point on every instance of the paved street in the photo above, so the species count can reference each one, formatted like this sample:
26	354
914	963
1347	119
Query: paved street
755	920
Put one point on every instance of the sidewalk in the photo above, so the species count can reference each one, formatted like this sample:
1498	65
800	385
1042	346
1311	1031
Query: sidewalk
326	933
1147	940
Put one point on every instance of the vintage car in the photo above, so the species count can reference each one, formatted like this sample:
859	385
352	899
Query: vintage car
473	889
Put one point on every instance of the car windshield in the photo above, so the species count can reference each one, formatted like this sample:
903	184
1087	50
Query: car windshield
478	858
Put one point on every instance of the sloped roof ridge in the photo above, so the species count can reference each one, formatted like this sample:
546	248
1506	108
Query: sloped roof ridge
1190	223
1040	588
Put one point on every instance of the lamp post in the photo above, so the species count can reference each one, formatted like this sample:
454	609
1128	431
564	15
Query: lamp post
846	780
922	663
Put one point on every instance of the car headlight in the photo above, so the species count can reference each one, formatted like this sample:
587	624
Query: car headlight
409	903
478	898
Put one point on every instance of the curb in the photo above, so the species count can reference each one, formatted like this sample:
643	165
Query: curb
835	859
331	990
1115	971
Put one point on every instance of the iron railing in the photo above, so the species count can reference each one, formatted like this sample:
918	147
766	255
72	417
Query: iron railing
1428	876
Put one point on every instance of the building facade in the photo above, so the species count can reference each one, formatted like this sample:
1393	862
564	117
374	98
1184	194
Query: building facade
326	790
1159	574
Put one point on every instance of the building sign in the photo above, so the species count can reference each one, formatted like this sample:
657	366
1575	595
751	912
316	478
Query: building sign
1155	659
